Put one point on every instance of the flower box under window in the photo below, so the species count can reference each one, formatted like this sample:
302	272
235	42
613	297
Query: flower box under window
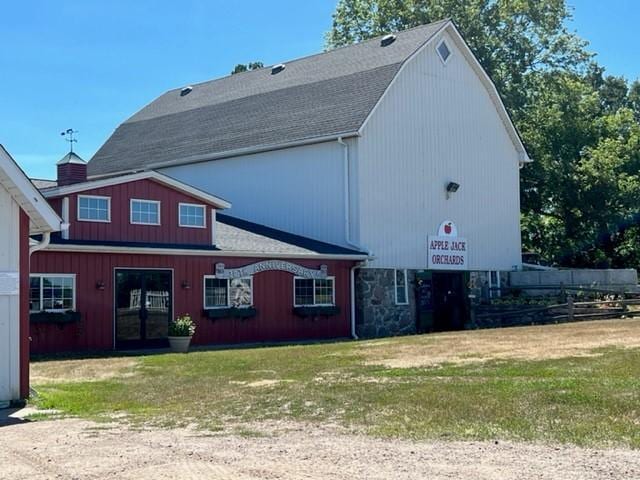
56	318
230	312
316	311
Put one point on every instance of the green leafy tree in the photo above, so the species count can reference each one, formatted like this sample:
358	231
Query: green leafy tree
245	67
580	196
557	125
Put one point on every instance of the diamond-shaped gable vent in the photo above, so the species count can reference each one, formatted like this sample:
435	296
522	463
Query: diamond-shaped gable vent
443	51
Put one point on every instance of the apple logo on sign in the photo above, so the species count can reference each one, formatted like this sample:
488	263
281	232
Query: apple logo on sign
448	229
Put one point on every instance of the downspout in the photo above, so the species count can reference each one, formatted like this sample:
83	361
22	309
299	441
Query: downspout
347	195
46	240
347	233
42	244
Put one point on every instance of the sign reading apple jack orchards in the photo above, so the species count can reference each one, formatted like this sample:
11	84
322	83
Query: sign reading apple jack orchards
447	251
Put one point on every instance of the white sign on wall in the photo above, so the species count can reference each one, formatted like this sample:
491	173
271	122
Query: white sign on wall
447	251
9	283
268	265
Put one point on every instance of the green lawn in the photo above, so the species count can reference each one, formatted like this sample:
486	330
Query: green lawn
584	396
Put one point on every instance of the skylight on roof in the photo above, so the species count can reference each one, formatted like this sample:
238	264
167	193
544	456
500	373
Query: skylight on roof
186	91
277	68
387	40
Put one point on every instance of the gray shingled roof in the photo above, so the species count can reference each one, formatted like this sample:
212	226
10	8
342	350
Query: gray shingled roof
236	235
42	184
322	95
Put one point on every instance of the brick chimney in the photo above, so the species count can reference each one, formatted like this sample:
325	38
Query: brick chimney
71	169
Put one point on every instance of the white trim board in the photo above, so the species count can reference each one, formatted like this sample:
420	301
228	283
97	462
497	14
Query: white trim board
42	217
148	175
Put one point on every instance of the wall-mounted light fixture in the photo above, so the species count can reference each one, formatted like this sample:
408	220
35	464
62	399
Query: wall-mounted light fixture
186	285
99	285
452	187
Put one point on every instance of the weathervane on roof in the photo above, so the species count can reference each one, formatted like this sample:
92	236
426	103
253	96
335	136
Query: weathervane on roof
69	133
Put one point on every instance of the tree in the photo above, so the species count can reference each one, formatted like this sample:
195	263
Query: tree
241	67
580	196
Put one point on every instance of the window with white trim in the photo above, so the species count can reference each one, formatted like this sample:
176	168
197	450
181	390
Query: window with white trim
92	208
52	292
443	51
225	293
145	212
314	292
191	215
402	292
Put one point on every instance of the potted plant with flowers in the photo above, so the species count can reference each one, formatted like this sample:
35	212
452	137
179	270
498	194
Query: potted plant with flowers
181	331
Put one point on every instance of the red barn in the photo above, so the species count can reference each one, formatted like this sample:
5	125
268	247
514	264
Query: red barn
143	248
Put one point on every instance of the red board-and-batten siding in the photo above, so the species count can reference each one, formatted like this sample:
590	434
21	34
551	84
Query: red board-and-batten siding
120	229
272	295
24	305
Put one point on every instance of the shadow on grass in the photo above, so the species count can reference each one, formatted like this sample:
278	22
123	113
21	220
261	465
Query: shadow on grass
97	354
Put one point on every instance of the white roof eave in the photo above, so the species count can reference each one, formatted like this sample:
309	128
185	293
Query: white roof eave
42	217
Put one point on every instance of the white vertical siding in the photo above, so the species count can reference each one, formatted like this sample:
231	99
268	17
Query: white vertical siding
437	124
9	304
299	190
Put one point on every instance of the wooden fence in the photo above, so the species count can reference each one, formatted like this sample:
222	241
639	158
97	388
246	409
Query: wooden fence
497	314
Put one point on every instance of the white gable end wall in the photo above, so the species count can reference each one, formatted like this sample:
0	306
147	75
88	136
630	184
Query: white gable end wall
298	190
9	303
435	124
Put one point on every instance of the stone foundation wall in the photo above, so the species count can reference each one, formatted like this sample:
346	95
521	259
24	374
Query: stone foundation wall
377	314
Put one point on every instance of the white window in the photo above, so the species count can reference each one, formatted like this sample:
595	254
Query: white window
443	51
402	292
225	293
313	292
145	212
191	215
52	292
94	209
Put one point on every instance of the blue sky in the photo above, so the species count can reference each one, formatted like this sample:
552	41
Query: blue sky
91	64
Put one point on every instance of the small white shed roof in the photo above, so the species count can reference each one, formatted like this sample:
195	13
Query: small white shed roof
42	218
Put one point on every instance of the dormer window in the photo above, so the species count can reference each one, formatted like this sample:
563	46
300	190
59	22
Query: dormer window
145	212
92	208
192	215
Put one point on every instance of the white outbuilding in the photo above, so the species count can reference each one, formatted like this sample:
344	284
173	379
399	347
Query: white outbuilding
23	212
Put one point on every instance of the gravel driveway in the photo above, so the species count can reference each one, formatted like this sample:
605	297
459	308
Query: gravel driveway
75	449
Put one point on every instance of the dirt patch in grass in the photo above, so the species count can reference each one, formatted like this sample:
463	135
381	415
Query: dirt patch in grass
265	383
552	387
82	370
522	343
285	451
